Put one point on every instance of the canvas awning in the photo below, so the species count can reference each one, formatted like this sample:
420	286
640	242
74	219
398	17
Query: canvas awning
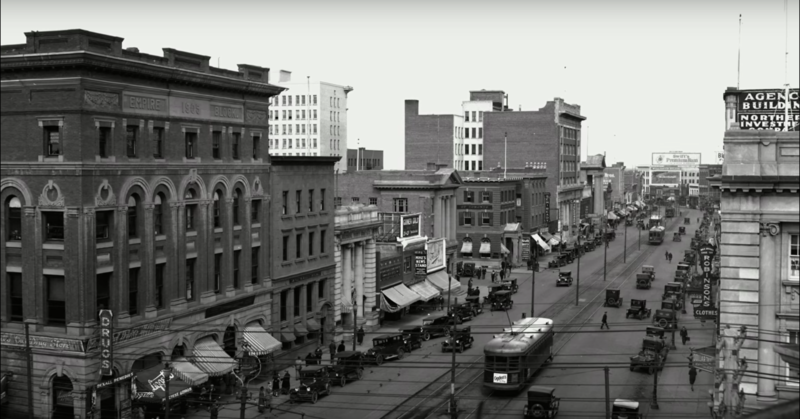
401	295
466	247
554	241
504	249
312	325
211	358
300	330
187	372
486	248
425	290
541	242
261	342
287	336
439	279
546	236
150	385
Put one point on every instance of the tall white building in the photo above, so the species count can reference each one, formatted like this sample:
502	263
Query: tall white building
310	119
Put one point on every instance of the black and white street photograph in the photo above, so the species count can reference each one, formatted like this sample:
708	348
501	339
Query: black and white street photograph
385	209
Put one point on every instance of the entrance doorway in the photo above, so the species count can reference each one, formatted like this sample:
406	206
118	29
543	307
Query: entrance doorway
229	341
63	404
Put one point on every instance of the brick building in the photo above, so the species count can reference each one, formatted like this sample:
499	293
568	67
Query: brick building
363	159
705	172
615	176
430	138
140	184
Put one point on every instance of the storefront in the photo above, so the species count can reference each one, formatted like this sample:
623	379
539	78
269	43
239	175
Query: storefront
398	298
443	282
149	392
111	397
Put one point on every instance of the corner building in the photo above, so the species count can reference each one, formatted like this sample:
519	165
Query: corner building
135	183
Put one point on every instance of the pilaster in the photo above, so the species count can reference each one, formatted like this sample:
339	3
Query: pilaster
121	315
206	264
177	242
32	284
370	286
359	279
148	270
768	304
79	295
227	245
337	282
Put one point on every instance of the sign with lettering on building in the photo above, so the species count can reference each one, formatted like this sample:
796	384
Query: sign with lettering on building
204	109
106	343
706	309
420	264
766	110
547	208
409	225
676	159
665	177
436	257
139	103
526	247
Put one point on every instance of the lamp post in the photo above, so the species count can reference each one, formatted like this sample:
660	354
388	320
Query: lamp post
355	322
166	373
245	351
578	277
605	248
533	289
625	246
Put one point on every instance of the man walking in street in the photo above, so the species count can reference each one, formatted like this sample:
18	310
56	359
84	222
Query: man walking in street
332	347
298	365
341	347
670	258
684	335
692	376
605	321
360	334
666	255
502	275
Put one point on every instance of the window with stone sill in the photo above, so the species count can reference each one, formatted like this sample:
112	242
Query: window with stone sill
794	257
792	374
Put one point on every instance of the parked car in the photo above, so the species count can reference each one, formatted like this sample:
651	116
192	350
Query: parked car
314	382
652	357
434	326
638	310
387	347
461	340
625	409
502	301
666	319
475	303
542	403
348	365
462	311
414	337
564	278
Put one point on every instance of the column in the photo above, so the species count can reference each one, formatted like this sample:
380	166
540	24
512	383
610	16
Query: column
336	298
359	278
453	217
121	266
303	290
148	270
204	282
437	216
79	279
246	239
347	275
176	260
370	285
290	308
32	285
227	244
767	321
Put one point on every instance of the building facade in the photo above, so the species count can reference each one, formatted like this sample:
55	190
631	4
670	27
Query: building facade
310	119
363	159
760	241
615	176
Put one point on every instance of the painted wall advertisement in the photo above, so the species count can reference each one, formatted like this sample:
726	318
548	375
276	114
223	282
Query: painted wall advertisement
409	225
676	159
436	255
766	110
665	177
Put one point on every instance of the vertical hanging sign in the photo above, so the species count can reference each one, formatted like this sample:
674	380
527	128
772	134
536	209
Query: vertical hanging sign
106	342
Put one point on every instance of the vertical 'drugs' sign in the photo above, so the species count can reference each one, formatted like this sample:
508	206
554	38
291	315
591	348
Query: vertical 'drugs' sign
106	343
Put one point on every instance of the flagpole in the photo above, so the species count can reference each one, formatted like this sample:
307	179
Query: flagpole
739	63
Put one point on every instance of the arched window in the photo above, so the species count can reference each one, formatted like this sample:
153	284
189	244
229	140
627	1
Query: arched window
216	210
236	198
14	211
63	403
133	215
158	214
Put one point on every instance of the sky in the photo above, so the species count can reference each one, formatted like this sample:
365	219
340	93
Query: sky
648	75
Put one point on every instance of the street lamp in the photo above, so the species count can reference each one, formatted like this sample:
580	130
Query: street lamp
166	373
578	277
605	242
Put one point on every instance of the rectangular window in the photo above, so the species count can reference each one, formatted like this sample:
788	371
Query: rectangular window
52	143
322	199
284	302
256	145
285	203
296	308
322	242
472	114
486	218
474	133
254	255
103	292
216	138
480	149
15	296
355	200
794	257
53	225
285	248
337	202
158	142
309	298
235	138
236	259
321	288
103	141
473	148
298	246
400	204
14	227
311	243
466	116
56	301
373	200
469	196
102	225
310	200
190	209
190	140
792	373
298	196
217	271
190	279
480	116
133	291
486	196
131	132
159	291
468	218
255	209
466	133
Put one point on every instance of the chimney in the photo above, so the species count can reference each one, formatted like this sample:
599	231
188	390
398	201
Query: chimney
132	49
431	166
412	107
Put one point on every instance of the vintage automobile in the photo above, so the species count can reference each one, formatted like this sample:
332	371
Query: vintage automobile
463	312
649	269
493	289
314	382
564	278
387	347
687	220
612	299
475	302
414	337
658	332
676	237
611	234
556	262
542	403
628	221
643	281
434	326
671	303
688	256
589	246
511	284
652	357
348	365
625	409
502	301
682	230
468	270
665	319
685	268
461	340
598	240
673	289
638	310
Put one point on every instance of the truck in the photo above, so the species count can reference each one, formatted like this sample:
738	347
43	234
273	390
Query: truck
652	357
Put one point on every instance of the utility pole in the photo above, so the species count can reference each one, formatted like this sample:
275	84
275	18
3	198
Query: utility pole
608	394
654	402
640	237
242	371
578	281
453	408
167	373
355	322
625	247
533	288
29	368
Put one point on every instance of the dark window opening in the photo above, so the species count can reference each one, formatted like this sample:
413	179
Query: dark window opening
255	209
235	137
190	279
56	301
15	296
159	291
236	257
131	133
104	141
254	255
191	142
133	212
133	291
311	243
284	300
215	140
102	222
296	307
285	248
298	246
256	146
217	220
236	206
103	292
52	141
54	226
217	271
158	142
14	226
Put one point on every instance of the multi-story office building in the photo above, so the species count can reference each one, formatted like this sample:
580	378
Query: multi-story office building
615	176
487	135
704	173
363	159
310	119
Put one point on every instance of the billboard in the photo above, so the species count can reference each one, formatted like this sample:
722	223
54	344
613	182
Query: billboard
665	177
437	258
676	159
719	157
409	225
766	110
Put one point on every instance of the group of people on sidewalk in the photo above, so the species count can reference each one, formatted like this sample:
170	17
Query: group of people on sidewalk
668	257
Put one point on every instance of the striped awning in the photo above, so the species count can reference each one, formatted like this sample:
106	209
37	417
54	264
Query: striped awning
541	242
261	342
425	290
466	247
312	325
486	248
211	358
401	295
188	372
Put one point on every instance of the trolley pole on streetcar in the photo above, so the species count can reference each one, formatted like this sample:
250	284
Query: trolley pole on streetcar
453	410
533	289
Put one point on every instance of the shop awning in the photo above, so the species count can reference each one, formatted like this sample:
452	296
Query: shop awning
401	295
504	249
312	325
486	248
261	342
150	385
300	330
209	357
425	290
439	280
541	242
287	336
546	236
454	285
611	216
466	247
188	372
554	241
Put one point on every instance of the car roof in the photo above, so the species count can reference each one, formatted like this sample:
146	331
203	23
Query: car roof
347	354
541	390
627	404
565	272
313	368
503	292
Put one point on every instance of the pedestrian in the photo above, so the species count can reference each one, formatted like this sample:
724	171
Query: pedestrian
494	276
341	347
298	365
318	353
286	383
360	334
276	385
262	400
692	376
440	300
502	275
670	258
684	335
469	284
332	348
310	359
605	321
214	410
666	255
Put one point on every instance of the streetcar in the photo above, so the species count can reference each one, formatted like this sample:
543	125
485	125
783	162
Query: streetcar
511	358
656	235
656	221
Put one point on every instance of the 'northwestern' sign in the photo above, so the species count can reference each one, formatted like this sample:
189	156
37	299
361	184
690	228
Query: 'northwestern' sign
106	343
409	225
766	110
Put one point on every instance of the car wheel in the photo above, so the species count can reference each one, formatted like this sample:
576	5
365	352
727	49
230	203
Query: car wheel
401	353
461	347
379	360
343	381
426	337
314	397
